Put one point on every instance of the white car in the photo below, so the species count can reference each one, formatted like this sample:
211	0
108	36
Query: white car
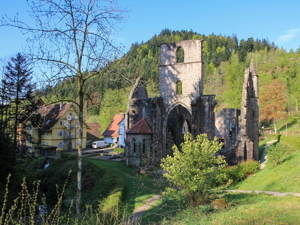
99	144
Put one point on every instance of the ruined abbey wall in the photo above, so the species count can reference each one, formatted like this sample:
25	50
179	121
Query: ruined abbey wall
189	72
175	112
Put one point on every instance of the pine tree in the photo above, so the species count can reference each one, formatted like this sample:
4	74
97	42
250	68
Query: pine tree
17	90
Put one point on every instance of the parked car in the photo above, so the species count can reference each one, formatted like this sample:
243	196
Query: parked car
99	144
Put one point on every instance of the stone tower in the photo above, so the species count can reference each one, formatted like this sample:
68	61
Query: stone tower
246	146
189	72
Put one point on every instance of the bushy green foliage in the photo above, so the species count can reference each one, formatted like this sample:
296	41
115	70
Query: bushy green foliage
194	168
143	59
97	182
235	174
114	102
119	150
278	153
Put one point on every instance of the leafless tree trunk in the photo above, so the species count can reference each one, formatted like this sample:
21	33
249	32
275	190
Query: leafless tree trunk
74	39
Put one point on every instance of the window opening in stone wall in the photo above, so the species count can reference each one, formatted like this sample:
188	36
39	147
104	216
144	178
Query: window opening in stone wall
245	152
179	88
144	145
180	55
134	144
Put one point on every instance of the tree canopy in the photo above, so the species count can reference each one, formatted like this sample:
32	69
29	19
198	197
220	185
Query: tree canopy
273	102
195	168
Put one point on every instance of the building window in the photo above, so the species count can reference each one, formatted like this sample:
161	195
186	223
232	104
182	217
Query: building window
179	88
70	114
60	145
47	134
43	143
144	145
180	55
76	143
60	133
134	144
47	143
60	123
29	127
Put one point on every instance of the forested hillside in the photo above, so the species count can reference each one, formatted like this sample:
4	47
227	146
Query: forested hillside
225	58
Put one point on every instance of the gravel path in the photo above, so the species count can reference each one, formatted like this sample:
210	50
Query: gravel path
275	193
264	159
135	217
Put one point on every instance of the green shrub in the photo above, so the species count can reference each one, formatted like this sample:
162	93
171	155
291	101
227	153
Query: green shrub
119	150
193	169
277	153
249	167
239	172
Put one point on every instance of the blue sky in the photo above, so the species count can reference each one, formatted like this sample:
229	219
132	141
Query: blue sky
279	21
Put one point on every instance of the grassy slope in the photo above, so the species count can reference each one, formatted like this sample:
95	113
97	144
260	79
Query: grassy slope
138	188
245	209
97	183
248	208
283	178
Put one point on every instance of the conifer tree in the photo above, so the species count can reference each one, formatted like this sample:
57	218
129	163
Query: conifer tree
17	90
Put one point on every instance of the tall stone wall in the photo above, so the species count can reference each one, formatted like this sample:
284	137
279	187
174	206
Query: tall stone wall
246	147
227	126
189	72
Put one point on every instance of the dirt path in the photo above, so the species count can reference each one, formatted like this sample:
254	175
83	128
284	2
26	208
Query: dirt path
135	217
275	193
264	158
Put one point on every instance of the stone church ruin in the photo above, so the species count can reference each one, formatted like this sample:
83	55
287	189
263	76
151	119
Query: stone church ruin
153	125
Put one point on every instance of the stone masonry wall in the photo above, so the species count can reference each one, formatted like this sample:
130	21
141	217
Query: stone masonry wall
189	72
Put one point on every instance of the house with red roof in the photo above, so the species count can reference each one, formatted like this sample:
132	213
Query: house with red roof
111	134
138	142
94	132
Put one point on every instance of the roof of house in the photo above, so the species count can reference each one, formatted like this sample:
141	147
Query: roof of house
94	132
113	128
141	127
52	114
39	102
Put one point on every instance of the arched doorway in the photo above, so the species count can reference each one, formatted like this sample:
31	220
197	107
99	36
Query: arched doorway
177	123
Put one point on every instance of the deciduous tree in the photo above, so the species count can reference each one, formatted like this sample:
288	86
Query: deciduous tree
195	168
74	38
273	101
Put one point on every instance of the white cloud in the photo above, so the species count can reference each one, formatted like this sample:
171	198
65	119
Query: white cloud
290	34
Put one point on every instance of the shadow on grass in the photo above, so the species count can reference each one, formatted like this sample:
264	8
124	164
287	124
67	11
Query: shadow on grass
172	210
138	188
290	124
163	210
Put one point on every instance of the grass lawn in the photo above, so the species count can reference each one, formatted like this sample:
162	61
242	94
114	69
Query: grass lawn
119	150
284	178
244	209
138	188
